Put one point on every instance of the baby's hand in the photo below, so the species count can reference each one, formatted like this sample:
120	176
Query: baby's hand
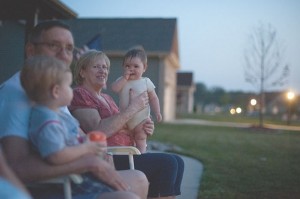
126	74
158	117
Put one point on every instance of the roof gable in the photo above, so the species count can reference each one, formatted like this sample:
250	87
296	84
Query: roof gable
26	9
119	34
184	79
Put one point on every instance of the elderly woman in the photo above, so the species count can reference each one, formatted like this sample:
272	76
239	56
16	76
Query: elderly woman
98	111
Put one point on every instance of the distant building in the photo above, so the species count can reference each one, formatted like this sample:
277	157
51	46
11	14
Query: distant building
185	92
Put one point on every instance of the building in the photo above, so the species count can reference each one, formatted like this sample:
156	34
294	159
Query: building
185	92
16	19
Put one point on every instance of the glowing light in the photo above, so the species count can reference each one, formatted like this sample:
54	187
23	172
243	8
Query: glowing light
232	111
290	95
238	110
253	102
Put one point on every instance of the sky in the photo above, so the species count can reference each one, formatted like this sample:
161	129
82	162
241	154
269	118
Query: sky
213	34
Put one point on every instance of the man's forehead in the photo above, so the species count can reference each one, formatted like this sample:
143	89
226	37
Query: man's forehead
58	33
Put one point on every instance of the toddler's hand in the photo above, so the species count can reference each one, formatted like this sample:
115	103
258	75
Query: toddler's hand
97	148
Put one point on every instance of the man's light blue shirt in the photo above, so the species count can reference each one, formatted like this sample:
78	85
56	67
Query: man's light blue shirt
8	190
15	108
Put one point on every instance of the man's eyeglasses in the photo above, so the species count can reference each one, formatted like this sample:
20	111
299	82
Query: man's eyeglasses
56	47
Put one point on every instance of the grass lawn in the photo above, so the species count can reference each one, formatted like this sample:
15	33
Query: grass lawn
240	163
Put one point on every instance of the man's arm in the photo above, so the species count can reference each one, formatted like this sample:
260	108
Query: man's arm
29	167
8	174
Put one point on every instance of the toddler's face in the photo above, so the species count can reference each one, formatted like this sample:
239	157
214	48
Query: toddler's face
135	67
65	90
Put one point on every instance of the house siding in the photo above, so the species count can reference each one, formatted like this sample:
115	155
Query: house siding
11	48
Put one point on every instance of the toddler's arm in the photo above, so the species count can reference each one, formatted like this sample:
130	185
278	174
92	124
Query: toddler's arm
71	153
154	104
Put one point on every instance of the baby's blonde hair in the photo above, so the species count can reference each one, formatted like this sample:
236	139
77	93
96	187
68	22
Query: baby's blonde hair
40	74
85	60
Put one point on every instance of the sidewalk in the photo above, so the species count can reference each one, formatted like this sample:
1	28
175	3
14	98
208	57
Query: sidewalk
192	171
233	124
191	178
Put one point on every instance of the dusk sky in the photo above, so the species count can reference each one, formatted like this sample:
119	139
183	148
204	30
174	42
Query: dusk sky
213	34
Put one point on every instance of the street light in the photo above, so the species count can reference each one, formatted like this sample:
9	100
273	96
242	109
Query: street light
238	110
253	102
290	95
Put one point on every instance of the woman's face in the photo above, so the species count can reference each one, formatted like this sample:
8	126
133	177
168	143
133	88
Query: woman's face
95	75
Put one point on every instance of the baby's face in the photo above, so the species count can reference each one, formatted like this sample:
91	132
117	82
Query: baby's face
135	67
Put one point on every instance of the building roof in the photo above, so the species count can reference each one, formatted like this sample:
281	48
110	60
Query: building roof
116	35
25	9
17	18
185	79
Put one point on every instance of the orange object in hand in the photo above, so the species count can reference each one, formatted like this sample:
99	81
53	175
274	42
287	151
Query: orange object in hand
97	136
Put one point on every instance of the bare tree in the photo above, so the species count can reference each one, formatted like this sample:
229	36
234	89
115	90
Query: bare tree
263	63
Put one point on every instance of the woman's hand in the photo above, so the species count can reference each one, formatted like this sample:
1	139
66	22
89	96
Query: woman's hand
139	102
149	127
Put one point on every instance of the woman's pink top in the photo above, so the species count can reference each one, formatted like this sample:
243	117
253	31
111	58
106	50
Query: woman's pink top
84	99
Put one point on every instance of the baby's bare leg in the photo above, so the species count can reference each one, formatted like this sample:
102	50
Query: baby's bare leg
140	137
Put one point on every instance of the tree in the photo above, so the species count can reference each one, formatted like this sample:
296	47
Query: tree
219	96
201	95
263	63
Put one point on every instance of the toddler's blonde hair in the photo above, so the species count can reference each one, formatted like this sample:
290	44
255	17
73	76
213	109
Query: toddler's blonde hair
40	74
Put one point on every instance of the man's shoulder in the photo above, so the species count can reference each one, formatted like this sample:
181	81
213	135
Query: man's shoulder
12	86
